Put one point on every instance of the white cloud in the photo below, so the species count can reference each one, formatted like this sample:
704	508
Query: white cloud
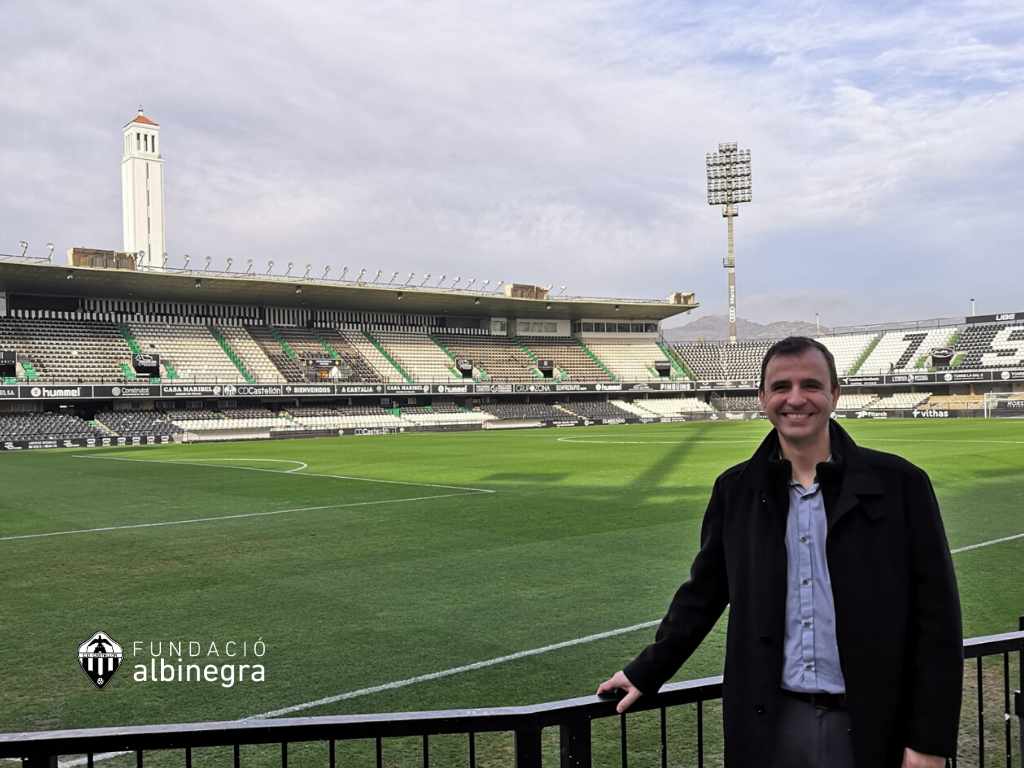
552	142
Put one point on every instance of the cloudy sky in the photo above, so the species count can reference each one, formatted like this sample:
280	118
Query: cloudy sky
547	142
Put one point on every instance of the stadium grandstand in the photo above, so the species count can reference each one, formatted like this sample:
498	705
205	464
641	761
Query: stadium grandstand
101	356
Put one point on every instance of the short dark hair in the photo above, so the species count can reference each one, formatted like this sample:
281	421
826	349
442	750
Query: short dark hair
794	345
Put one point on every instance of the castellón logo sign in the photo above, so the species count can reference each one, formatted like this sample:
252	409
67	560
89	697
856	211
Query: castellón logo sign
100	657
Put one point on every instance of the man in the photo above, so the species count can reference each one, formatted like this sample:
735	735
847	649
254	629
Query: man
845	644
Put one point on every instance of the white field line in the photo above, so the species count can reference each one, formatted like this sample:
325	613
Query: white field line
652	442
283	472
758	440
235	517
465	668
969	547
452	671
302	464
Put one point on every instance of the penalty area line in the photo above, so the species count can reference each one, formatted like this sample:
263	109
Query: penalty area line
234	517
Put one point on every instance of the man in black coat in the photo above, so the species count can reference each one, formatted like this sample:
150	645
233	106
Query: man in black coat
858	661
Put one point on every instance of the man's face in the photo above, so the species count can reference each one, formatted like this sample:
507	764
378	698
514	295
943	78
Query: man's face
797	397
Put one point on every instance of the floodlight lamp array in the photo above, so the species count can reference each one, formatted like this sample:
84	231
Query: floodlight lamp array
729	177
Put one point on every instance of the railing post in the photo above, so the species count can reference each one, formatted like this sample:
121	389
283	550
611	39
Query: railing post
574	743
1018	708
527	747
1018	696
39	761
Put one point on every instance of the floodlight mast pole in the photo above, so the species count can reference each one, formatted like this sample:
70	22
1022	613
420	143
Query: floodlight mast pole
728	184
730	264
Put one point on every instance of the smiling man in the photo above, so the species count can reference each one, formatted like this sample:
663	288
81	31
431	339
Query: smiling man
845	645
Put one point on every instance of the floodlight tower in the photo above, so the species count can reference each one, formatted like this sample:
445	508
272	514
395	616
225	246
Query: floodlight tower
728	185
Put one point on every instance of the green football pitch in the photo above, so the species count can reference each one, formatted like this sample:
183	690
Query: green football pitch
364	564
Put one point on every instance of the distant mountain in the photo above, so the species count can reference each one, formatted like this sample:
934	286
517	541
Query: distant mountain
716	328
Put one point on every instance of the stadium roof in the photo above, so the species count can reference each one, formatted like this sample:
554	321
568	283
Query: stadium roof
44	279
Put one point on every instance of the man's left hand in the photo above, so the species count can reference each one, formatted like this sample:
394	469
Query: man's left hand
912	759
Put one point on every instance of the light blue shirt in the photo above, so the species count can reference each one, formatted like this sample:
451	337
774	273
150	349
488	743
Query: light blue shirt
811	653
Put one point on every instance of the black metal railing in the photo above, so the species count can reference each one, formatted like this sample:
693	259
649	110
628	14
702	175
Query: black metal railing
572	718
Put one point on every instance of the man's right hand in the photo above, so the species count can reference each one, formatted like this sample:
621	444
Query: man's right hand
619	681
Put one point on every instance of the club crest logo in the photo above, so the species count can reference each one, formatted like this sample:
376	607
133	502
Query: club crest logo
100	658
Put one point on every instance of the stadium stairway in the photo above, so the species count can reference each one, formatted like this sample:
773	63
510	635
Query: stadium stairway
133	345
865	355
557	374
677	362
215	332
478	373
448	352
388	357
325	345
594	357
126	332
284	344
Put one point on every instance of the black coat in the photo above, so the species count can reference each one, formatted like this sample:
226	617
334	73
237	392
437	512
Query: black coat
897	609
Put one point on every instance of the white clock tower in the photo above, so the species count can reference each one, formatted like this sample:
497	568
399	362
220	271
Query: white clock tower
142	193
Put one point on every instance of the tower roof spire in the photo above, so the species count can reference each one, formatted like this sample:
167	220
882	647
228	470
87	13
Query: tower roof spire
141	118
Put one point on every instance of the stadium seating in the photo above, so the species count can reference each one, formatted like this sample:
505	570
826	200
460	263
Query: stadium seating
671	406
725	362
899	401
846	350
531	411
853	402
444	416
952	403
568	356
742	360
380	365
230	419
900	350
499	357
628	360
347	417
45	426
251	353
191	349
359	368
66	351
734	403
992	346
137	423
289	367
596	409
705	360
419	357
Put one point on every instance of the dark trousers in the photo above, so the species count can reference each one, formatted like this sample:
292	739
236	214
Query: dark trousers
812	737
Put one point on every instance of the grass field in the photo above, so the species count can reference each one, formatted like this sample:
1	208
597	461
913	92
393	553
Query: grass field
361	562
